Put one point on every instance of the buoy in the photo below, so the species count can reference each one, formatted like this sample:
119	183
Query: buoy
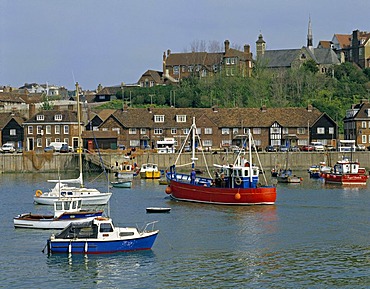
237	196
168	190
38	193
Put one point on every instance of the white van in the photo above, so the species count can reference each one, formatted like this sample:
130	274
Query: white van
318	146
57	145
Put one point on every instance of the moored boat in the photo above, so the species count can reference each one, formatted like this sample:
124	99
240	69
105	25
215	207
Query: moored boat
346	172
149	171
66	211
287	176
100	236
233	184
122	184
89	196
158	210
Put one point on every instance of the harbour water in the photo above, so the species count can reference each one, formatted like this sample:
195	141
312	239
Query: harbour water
316	236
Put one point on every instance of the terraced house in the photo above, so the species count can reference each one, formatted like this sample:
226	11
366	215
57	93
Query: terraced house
219	127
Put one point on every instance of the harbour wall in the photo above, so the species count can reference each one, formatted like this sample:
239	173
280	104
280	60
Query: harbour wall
46	162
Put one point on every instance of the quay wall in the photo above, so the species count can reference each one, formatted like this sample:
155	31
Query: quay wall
46	162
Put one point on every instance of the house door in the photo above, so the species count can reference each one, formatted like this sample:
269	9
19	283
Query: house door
30	144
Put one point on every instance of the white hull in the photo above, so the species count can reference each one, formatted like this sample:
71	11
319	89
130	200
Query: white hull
87	199
48	224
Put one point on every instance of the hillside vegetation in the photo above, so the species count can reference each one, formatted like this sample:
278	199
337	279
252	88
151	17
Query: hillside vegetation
332	93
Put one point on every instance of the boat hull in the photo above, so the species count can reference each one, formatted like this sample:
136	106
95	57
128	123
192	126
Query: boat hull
263	195
150	175
123	184
48	224
87	199
289	179
91	246
345	179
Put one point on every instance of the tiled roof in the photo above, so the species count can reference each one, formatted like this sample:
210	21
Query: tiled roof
345	40
224	117
193	58
67	116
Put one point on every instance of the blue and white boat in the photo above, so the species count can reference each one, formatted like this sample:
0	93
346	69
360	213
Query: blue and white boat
66	211
100	236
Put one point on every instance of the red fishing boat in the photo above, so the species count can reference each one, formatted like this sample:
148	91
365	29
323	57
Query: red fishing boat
346	172
233	184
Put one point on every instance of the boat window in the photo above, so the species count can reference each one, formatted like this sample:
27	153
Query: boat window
79	204
106	227
74	205
255	172
67	205
58	206
246	173
69	193
124	234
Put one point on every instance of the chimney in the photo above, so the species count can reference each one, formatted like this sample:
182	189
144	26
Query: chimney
309	108
264	108
150	109
31	110
227	45
215	108
247	49
168	52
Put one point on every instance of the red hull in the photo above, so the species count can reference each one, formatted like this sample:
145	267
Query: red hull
226	196
345	179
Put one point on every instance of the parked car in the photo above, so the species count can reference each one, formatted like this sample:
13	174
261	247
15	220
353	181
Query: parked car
294	149
8	148
307	148
270	149
360	147
331	148
317	146
283	148
49	149
64	148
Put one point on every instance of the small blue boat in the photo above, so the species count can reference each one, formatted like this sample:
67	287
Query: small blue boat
122	184
100	236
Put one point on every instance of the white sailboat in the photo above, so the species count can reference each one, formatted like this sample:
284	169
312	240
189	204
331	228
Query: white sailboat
73	188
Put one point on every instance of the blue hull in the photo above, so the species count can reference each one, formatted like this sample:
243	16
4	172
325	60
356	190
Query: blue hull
80	215
101	247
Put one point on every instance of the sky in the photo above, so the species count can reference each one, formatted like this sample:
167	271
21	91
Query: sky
108	42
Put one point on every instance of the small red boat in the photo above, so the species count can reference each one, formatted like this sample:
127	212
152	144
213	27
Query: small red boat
232	184
346	172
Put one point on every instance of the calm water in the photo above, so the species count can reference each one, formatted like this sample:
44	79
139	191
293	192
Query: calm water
314	237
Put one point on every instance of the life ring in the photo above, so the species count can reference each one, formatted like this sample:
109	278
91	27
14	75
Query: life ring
238	181
38	193
247	165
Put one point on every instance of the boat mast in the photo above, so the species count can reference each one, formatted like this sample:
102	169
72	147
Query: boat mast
79	134
193	128
250	155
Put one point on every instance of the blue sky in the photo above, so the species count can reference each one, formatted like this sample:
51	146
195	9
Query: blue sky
112	41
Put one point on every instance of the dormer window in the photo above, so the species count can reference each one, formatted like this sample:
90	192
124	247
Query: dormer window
181	118
58	117
40	117
159	118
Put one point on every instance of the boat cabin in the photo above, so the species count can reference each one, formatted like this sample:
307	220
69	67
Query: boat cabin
166	146
347	167
67	205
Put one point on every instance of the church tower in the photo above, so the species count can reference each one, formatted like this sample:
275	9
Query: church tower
260	46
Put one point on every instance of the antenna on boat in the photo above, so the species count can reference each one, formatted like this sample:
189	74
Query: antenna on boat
79	135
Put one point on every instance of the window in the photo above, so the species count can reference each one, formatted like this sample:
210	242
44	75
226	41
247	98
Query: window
181	118
257	130
58	117
225	131
132	131
226	142
39	142
208	130
235	130
48	129
159	118
30	129
199	131
143	131
331	130
66	129
285	130
48	141
176	70
117	129
158	131
207	143
275	130
320	130
173	130
13	131
228	61
364	138
185	131
39	129
134	143
363	124
57	129
40	117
